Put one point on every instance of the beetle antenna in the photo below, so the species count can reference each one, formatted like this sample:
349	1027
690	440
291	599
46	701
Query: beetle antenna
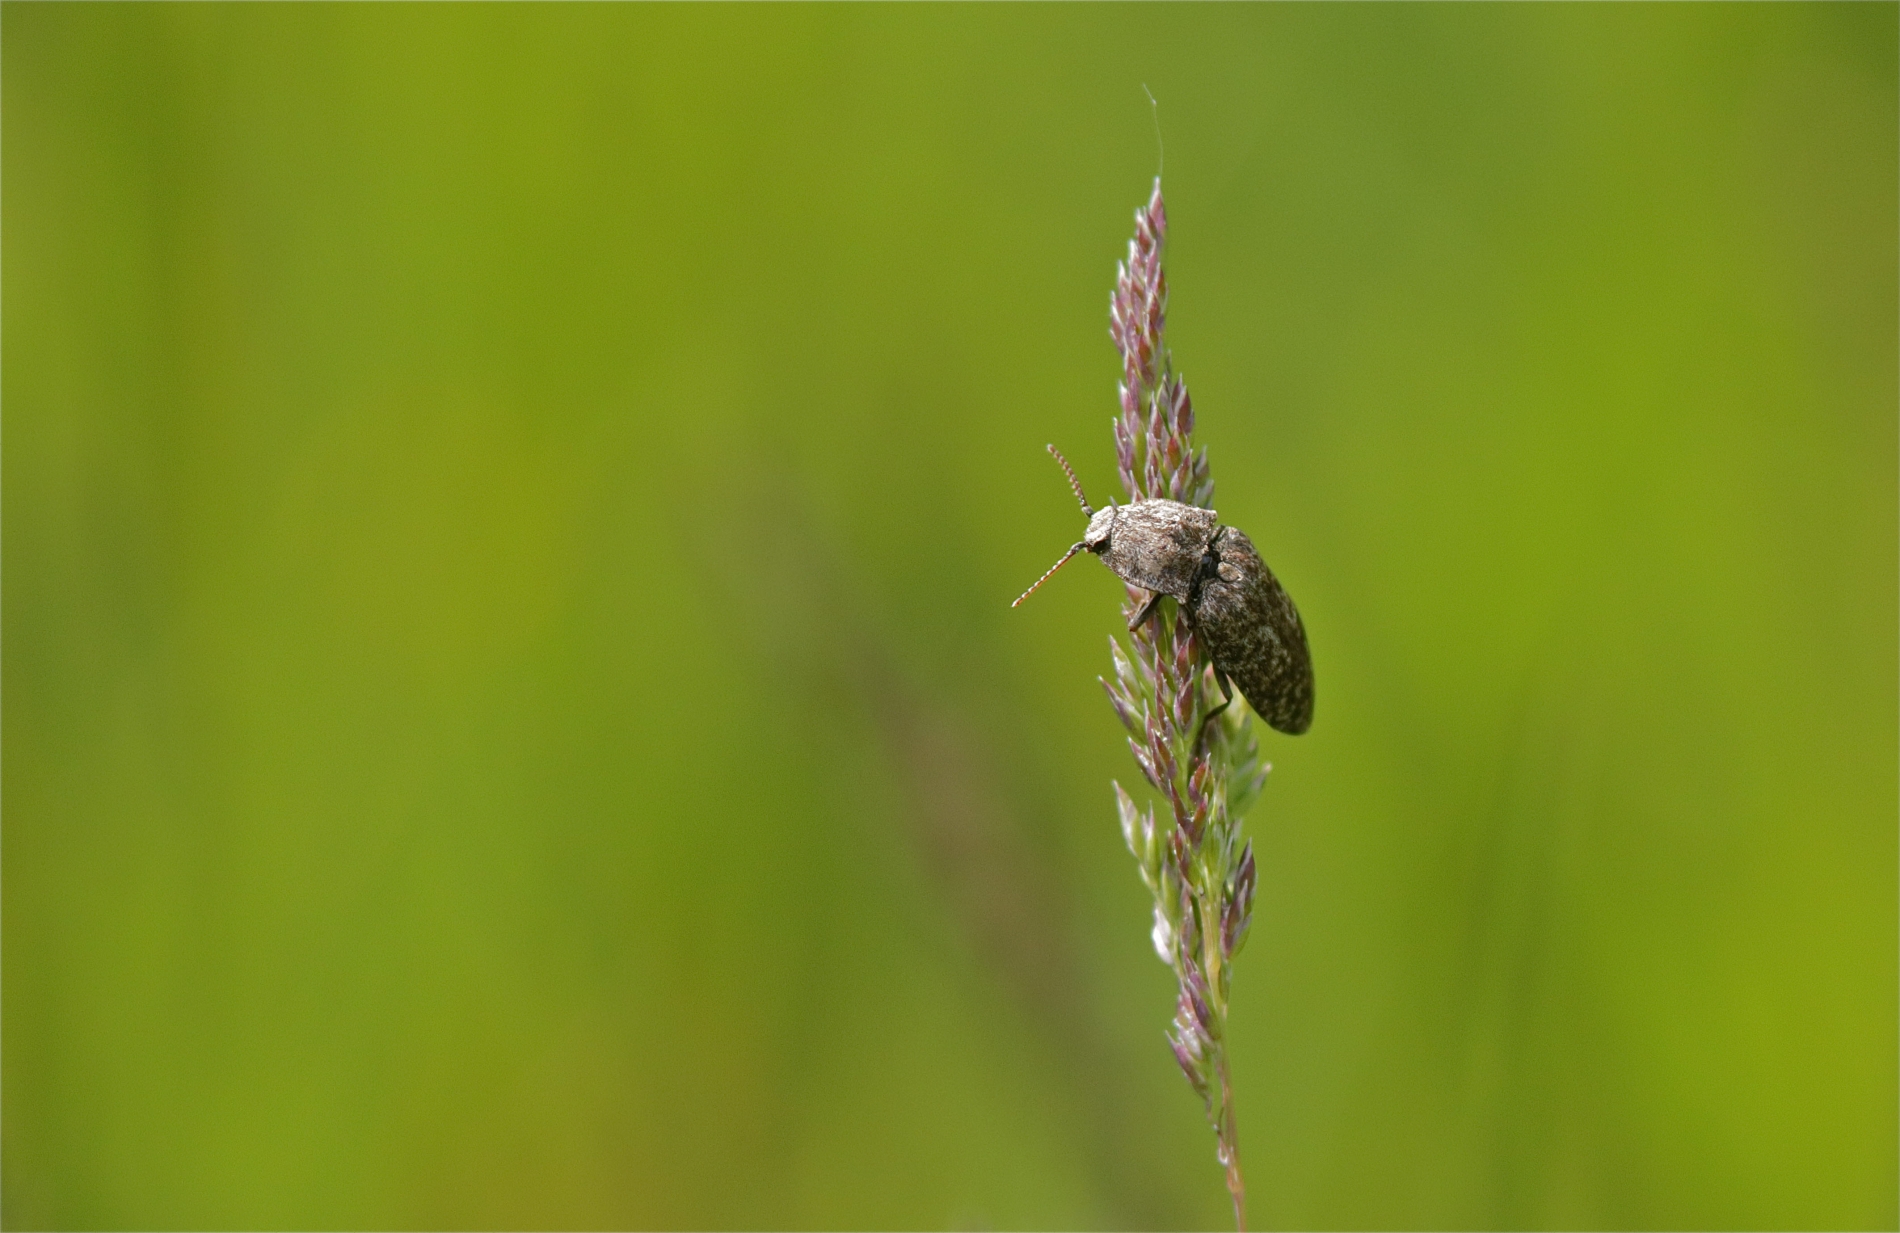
1073	483
1053	568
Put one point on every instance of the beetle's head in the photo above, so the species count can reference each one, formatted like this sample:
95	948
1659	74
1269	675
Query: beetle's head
1101	529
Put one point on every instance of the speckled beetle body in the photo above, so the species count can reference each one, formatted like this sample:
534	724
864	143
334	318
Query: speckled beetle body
1253	632
1243	616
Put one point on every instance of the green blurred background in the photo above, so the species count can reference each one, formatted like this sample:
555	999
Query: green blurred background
512	718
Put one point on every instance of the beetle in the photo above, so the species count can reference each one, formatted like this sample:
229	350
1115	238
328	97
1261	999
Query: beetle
1243	616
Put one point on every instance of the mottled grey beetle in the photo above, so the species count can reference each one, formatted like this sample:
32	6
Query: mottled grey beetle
1230	599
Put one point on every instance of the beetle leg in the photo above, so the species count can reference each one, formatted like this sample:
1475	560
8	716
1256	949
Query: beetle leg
1147	610
1227	700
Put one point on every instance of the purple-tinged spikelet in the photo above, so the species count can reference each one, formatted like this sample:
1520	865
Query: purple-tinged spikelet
1198	868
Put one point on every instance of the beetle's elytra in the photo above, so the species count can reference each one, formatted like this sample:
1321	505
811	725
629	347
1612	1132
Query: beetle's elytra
1230	599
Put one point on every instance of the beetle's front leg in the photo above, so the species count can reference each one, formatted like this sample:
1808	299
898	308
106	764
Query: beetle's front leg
1147	610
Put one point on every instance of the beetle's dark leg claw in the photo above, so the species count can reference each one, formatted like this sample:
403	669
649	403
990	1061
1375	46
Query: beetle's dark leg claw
1227	700
1147	610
